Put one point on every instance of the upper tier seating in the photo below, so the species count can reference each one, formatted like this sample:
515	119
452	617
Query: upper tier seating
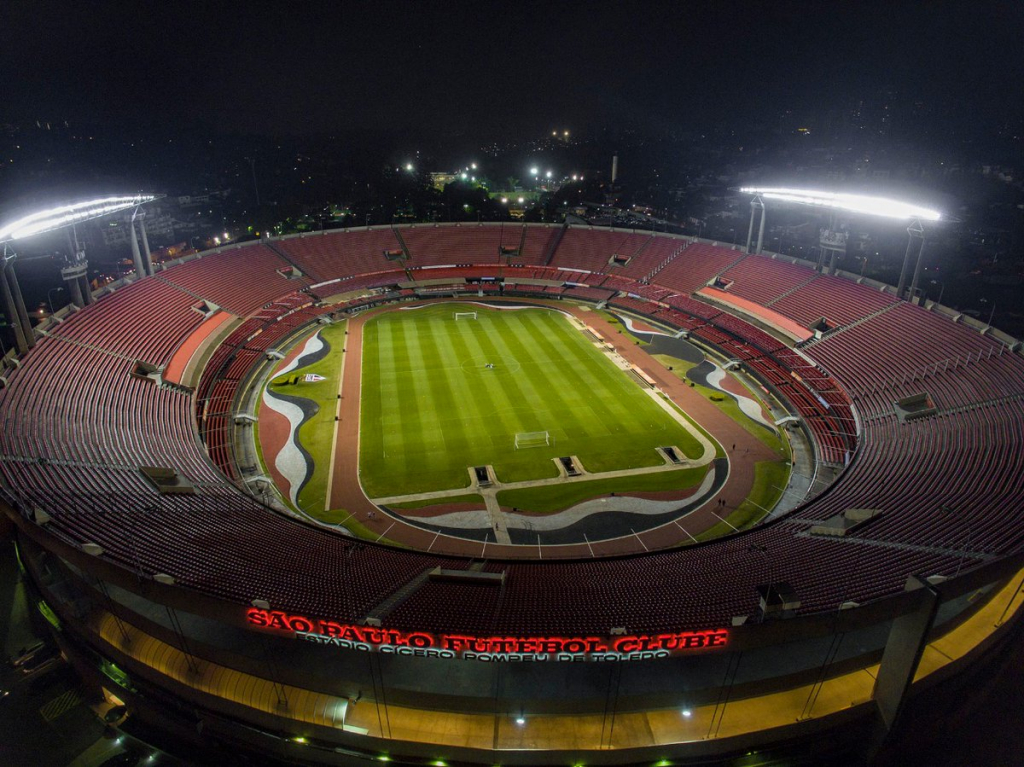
239	280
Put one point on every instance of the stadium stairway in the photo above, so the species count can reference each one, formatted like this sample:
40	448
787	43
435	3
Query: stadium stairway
393	600
179	287
401	243
552	246
793	289
654	272
833	333
286	257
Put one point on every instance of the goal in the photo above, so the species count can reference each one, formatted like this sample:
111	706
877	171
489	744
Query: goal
465	316
525	439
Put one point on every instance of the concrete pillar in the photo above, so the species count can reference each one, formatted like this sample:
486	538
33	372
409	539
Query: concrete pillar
917	269
140	270
750	230
832	263
760	230
903	271
915	230
907	640
12	314
75	288
147	258
86	288
19	304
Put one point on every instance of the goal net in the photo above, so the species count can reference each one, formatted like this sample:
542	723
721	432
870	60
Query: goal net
525	439
465	316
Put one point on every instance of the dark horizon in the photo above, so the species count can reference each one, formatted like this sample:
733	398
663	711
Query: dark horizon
506	70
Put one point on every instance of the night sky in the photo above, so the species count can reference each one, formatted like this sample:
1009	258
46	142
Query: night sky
499	67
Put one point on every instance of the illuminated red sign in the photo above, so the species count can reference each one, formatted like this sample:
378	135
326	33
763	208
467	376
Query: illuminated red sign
493	648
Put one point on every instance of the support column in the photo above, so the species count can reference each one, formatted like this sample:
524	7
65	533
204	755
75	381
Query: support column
914	230
75	287
917	269
86	288
140	270
147	256
760	230
903	650
12	314
750	230
19	303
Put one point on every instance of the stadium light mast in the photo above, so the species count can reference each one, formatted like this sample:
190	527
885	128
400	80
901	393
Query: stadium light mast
75	273
835	242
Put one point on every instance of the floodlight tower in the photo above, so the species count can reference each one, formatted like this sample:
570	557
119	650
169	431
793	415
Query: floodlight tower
75	274
834	242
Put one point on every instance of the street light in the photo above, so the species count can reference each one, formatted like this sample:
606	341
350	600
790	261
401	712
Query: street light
49	297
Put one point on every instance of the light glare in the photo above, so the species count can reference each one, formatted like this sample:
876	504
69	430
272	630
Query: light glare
64	215
856	203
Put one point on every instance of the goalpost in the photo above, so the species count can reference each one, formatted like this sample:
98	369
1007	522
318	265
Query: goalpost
526	439
465	316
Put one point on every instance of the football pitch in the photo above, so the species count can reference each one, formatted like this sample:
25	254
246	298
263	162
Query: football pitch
440	395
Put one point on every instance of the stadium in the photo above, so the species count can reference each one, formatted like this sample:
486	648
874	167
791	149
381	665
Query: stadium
211	559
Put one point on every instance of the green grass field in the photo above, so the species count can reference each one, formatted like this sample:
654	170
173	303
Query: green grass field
431	408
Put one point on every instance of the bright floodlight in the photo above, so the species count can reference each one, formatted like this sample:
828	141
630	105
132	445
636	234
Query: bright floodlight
857	203
65	215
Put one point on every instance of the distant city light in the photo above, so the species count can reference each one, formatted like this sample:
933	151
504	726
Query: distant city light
472	165
65	215
534	171
566	133
408	166
522	199
504	199
856	203
548	174
465	176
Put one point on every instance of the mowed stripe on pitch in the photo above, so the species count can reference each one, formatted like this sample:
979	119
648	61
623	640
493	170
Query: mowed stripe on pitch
596	410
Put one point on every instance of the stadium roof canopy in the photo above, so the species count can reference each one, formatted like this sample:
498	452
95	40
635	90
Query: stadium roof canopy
66	215
855	203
